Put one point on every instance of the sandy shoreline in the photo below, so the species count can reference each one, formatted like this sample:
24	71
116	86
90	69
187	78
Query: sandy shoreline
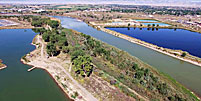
52	76
55	68
14	24
16	27
58	84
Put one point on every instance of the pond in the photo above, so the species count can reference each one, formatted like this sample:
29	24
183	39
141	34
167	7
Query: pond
16	84
168	38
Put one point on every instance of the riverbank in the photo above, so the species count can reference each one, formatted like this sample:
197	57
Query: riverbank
173	53
165	51
16	27
137	16
54	66
14	23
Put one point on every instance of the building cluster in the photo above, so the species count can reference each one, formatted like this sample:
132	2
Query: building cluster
23	9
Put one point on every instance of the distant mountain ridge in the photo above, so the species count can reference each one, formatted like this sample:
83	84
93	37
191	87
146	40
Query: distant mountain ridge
196	3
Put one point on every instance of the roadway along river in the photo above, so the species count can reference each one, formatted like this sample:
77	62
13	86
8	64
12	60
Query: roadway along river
185	73
16	84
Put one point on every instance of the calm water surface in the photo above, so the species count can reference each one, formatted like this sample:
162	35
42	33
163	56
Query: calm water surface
16	84
169	38
187	74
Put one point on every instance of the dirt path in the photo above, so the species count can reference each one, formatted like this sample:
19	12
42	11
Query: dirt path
55	67
46	62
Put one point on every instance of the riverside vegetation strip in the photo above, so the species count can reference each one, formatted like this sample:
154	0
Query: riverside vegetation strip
95	61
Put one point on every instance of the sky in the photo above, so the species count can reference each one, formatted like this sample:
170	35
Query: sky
130	2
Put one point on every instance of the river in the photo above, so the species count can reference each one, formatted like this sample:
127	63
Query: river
185	73
16	84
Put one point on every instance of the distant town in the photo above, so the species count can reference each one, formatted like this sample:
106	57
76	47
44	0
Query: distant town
187	17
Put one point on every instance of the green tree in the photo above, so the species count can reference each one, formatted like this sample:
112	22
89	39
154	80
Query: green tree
162	88
148	25
46	37
135	66
139	74
83	65
129	24
77	53
51	49
62	41
65	49
183	54
53	23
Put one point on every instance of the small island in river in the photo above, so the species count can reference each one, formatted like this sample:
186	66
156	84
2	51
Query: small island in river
2	66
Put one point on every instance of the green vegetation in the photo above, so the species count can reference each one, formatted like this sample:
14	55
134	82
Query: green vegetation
148	25
75	95
183	54
88	54
83	65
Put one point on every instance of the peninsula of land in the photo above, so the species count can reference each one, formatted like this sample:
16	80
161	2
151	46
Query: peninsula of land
14	22
84	68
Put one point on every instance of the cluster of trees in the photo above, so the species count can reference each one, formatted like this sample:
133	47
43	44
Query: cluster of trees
147	79
84	49
37	21
57	42
96	47
143	76
137	74
83	65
